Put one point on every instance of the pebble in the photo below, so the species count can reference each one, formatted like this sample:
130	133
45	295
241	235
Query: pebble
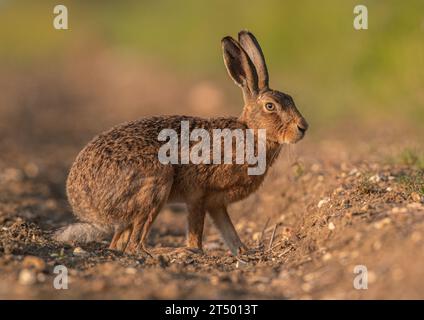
11	175
375	178
354	254
377	245
27	277
307	287
327	256
416	236
34	262
415	205
322	202
399	210
365	208
416	196
31	170
354	171
358	236
41	277
315	167
331	226
240	264
309	277
78	251
383	222
130	270
256	236
214	280
339	190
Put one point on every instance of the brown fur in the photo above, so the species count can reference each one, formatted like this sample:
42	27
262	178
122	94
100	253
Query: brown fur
117	182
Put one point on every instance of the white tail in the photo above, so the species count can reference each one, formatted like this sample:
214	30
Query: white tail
81	232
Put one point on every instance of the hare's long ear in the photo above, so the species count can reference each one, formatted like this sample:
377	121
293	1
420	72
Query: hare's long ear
240	67
254	51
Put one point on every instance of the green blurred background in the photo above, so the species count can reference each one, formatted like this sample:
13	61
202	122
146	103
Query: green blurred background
311	47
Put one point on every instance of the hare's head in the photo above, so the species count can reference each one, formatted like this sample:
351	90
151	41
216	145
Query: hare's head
264	108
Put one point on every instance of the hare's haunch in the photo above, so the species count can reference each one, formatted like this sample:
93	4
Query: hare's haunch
118	185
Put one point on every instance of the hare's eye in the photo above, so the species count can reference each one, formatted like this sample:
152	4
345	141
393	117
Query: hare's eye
269	106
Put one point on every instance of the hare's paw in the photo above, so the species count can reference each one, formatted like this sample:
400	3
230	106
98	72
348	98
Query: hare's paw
250	254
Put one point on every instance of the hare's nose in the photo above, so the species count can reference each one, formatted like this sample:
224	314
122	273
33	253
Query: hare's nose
302	125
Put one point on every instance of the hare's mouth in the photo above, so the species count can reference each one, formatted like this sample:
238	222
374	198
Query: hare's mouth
292	136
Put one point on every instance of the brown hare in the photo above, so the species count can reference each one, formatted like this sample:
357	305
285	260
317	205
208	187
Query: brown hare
117	185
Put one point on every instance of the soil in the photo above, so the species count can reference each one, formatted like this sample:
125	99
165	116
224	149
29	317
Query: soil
337	200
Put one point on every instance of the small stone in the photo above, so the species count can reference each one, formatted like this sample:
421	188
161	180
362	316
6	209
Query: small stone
78	251
389	189
377	245
416	197
375	178
256	236
31	170
339	190
309	277
32	262
306	287
323	201
240	264
41	277
214	280
399	210
353	172
11	175
331	226
327	256
315	167
27	277
383	222
130	270
365	208
416	236
358	236
343	255
414	206
284	274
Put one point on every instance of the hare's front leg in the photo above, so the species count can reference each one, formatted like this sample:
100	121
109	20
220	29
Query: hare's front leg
223	222
195	223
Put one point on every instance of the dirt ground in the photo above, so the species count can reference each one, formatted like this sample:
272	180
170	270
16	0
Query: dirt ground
340	198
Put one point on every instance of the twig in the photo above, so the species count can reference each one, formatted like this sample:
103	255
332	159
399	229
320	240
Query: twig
285	252
279	242
272	236
263	231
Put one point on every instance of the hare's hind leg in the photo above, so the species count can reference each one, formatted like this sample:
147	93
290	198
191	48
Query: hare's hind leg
151	199
121	237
